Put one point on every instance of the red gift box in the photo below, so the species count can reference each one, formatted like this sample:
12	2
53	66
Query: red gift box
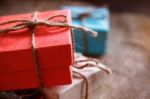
54	50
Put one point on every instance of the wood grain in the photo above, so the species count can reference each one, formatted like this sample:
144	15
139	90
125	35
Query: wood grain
129	57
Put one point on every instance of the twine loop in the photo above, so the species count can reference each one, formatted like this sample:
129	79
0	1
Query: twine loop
80	63
35	21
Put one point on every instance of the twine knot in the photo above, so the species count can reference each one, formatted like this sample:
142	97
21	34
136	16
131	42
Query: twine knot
35	21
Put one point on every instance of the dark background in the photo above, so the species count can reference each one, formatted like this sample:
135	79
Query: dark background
139	6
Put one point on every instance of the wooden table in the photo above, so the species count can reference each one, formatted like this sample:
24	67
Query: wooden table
129	57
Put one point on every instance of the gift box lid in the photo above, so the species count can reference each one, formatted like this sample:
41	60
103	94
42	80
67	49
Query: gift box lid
98	18
53	44
76	11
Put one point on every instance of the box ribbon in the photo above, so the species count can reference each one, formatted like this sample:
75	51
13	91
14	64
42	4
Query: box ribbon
82	62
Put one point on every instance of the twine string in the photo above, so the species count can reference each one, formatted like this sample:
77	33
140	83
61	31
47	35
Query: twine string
91	62
34	51
85	85
23	24
80	63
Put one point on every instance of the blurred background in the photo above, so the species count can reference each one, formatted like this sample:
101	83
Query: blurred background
128	43
140	6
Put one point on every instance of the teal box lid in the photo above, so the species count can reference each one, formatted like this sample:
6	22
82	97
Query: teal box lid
98	18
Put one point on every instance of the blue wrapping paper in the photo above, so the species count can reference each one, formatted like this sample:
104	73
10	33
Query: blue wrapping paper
96	19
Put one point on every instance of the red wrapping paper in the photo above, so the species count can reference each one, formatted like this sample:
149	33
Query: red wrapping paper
54	49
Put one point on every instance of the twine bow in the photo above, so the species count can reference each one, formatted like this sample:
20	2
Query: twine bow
24	23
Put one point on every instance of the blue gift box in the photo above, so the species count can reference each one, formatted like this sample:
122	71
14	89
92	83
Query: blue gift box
96	19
